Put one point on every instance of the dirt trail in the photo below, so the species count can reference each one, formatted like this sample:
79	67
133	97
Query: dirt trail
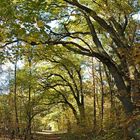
39	136
47	136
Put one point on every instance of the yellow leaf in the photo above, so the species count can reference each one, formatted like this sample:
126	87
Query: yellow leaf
40	23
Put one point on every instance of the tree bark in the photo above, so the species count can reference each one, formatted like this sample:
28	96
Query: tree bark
82	116
94	95
29	108
15	100
102	95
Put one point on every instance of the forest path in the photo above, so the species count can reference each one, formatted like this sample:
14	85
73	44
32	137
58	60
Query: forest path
37	137
44	135
47	136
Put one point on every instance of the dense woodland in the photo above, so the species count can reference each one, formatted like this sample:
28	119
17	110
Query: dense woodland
71	67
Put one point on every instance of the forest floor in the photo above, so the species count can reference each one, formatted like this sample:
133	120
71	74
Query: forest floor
37	136
48	137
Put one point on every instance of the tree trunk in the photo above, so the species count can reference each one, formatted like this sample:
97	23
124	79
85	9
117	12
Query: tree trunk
29	108
110	84
28	130
94	95
82	115
15	100
102	96
135	88
124	94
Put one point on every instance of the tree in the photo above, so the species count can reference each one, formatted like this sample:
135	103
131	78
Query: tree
116	28
101	29
64	79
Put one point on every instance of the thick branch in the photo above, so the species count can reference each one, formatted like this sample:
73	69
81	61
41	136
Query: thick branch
94	35
70	86
100	21
69	104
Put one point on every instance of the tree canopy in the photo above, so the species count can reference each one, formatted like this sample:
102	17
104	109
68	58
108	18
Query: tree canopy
71	50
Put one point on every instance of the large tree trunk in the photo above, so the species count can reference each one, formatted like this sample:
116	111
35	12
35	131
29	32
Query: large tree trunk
134	124
124	94
135	89
130	99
